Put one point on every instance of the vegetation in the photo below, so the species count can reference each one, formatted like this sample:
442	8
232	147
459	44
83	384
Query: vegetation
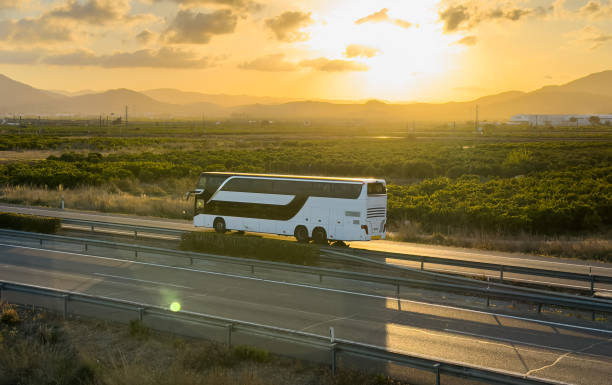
42	349
32	223
251	246
509	181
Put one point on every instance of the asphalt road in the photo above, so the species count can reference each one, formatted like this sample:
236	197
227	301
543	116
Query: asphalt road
516	259
543	349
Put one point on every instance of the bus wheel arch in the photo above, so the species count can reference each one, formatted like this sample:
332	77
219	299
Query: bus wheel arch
219	225
319	235
301	234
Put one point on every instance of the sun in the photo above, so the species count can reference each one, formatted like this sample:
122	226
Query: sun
407	55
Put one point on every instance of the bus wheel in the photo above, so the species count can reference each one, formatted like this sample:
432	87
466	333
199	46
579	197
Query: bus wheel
219	225
301	234
319	236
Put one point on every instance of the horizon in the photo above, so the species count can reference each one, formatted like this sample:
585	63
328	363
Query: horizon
432	52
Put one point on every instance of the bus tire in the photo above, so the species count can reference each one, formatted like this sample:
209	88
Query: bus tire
219	225
319	236
301	234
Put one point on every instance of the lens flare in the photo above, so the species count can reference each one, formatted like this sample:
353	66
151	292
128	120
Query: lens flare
175	306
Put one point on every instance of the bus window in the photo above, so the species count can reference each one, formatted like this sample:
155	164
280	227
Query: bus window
202	182
376	189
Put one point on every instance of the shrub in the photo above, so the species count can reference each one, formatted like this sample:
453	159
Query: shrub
249	353
32	223
251	247
9	315
139	330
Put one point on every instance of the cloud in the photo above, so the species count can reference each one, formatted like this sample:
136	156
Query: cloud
33	31
19	57
145	36
468	15
199	28
467	40
269	63
383	17
97	12
595	9
286	26
337	65
242	5
356	50
453	17
9	4
165	57
593	36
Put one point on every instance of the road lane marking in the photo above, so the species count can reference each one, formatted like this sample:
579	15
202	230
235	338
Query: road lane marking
543	322
328	321
142	280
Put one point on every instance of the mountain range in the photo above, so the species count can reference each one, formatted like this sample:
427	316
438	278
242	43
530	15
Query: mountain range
587	95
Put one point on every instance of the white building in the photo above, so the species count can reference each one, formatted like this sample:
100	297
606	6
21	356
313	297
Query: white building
559	120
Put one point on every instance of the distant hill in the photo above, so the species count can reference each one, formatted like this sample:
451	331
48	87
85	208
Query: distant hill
590	94
170	95
599	83
15	94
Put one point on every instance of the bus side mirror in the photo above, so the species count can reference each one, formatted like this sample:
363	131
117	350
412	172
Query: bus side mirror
187	195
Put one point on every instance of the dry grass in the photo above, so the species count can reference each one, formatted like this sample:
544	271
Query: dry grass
597	247
44	349
102	199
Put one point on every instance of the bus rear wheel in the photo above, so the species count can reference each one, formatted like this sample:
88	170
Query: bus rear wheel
219	225
301	234
319	236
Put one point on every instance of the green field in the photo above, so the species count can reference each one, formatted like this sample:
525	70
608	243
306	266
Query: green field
507	181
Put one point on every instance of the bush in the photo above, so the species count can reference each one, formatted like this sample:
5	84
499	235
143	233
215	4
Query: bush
47	225
139	330
9	315
251	247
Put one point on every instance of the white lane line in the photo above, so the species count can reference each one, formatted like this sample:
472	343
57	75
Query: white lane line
142	280
528	373
543	322
519	342
327	321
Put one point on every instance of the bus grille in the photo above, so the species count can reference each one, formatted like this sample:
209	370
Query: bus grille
375	212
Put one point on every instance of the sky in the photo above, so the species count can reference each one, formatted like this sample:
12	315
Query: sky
395	50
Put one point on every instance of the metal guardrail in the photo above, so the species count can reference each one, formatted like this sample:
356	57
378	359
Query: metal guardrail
502	268
333	346
121	226
473	287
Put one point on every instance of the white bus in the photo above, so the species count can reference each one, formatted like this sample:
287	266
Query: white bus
307	207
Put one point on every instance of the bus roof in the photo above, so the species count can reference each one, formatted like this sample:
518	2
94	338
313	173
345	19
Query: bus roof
362	180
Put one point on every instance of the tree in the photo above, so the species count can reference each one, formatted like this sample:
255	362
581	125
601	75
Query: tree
594	120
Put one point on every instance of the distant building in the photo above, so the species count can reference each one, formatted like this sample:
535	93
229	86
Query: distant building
561	120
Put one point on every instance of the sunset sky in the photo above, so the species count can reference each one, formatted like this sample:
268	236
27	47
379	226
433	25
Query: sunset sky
398	50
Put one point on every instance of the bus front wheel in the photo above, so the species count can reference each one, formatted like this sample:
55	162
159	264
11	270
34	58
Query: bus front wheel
319	236
301	234
219	225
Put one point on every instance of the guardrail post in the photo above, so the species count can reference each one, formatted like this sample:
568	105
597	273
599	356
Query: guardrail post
501	274
85	246
135	234
229	335
437	372
592	280
140	313
190	261
252	269
41	242
332	357
1	287
539	308
66	298
422	264
135	254
320	278
92	228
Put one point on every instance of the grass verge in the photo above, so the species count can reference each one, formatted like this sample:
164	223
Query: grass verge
44	349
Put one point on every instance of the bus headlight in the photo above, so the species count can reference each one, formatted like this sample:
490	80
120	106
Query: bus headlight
200	204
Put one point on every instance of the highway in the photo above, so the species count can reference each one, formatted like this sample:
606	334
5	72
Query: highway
517	259
548	349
